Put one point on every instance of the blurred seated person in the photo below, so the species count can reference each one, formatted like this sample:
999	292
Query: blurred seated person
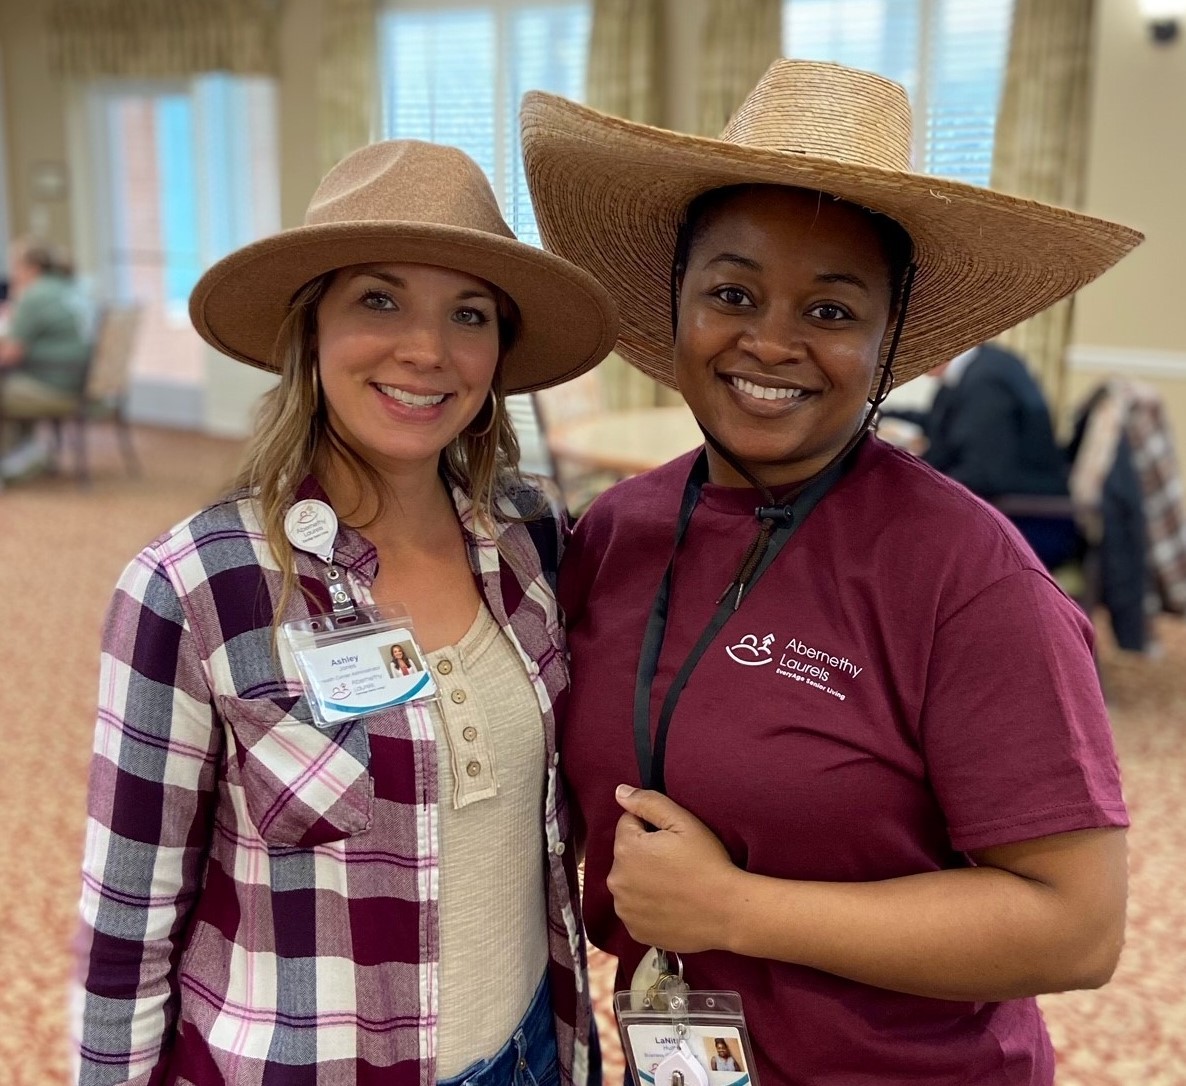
44	349
989	428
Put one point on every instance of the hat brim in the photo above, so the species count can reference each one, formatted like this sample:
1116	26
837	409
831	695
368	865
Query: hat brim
569	321
609	195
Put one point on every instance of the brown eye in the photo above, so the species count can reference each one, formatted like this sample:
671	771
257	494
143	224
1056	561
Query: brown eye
731	295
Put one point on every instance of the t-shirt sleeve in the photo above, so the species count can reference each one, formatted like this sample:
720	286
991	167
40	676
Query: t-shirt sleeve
578	566
1014	729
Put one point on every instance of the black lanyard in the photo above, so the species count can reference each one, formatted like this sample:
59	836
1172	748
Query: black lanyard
787	520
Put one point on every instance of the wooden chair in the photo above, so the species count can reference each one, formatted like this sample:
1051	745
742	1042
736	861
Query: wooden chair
104	394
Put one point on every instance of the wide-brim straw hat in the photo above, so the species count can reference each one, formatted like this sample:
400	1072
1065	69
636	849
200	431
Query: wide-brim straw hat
610	194
406	201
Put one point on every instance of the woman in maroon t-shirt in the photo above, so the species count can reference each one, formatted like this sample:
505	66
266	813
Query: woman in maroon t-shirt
900	819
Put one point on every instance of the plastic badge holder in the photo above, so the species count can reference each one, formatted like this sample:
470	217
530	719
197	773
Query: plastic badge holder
347	665
706	1026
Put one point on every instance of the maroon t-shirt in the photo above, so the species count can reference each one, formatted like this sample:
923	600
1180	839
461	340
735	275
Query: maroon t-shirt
904	683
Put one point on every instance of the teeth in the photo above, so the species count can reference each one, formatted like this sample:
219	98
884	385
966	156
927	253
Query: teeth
765	392
410	398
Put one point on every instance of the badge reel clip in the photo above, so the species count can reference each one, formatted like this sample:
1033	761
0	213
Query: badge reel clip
356	659
679	1067
673	1036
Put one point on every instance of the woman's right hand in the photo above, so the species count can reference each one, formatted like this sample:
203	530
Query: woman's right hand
672	886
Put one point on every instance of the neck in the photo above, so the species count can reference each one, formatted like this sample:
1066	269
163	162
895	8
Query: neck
771	476
414	503
722	471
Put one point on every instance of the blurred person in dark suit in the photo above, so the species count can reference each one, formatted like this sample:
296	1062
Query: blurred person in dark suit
989	428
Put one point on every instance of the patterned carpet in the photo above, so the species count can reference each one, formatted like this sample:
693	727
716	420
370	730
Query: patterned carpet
1132	1032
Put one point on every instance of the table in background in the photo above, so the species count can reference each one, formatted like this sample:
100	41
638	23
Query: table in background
627	442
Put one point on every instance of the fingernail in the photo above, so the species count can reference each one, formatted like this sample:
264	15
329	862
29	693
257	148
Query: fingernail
625	791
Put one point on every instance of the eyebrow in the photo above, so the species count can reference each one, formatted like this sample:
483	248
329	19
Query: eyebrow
738	261
402	284
844	277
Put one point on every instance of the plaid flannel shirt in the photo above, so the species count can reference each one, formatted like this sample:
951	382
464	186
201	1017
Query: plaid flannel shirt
259	900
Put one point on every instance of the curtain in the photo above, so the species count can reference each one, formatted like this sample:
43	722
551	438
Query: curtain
625	78
347	79
738	44
1040	149
146	39
624	74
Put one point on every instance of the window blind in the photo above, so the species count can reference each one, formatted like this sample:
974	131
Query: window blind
455	75
949	54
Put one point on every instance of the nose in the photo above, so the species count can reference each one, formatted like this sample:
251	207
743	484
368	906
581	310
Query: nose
774	336
421	343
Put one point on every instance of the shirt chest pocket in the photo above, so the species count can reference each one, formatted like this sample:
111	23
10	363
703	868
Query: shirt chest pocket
303	785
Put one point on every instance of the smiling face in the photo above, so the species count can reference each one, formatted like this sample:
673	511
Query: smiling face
783	306
406	357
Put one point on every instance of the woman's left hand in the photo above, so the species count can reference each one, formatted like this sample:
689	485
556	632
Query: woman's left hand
673	887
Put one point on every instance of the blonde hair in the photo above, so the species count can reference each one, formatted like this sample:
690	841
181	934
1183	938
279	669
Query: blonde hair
293	436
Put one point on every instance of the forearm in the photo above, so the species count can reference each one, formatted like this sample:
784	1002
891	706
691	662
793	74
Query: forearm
151	798
125	1006
980	934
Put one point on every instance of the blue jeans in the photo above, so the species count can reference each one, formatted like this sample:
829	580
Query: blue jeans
529	1058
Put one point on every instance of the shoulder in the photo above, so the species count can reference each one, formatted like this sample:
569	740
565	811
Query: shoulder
921	526
234	514
216	539
41	290
531	511
530	497
907	495
629	526
47	292
647	498
995	365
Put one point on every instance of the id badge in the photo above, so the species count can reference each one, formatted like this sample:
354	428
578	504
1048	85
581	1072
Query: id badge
358	663
673	1036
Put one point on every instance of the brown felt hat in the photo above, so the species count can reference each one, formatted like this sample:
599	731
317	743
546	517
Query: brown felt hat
408	201
610	195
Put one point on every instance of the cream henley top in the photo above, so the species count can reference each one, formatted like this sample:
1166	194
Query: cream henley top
492	779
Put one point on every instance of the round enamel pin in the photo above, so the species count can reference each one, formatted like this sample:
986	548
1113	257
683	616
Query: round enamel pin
312	526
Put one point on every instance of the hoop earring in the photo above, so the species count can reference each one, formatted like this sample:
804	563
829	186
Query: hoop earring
315	383
493	417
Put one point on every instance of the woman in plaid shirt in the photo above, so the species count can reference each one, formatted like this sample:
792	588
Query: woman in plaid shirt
390	899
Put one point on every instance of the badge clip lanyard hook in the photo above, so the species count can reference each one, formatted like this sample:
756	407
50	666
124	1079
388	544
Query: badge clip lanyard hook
311	525
680	1067
339	596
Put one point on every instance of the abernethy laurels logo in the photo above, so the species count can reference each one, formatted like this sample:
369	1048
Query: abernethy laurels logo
819	668
749	653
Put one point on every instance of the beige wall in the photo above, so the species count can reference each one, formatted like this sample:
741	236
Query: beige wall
1132	322
1136	167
